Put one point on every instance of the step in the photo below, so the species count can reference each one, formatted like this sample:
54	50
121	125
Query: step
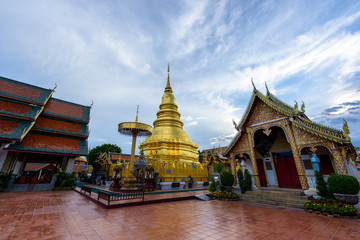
283	204
279	199
295	197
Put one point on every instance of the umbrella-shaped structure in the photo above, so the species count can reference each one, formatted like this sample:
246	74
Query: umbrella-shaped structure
133	129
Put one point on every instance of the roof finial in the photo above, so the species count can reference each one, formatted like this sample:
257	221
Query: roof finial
267	89
252	82
92	103
137	114
303	107
346	130
168	86
296	110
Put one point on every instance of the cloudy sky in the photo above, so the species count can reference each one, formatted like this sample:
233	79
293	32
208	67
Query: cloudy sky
115	54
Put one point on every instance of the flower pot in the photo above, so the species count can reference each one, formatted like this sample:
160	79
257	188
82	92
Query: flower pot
347	198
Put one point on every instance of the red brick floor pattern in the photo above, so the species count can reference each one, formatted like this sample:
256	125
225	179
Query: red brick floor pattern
69	215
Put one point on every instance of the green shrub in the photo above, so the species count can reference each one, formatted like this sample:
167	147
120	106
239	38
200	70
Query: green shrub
247	180
212	186
226	195
241	181
65	180
227	179
321	186
4	179
343	184
331	207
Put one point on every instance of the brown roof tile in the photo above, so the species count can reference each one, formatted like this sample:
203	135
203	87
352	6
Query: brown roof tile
20	90
12	107
64	109
51	142
7	127
59	125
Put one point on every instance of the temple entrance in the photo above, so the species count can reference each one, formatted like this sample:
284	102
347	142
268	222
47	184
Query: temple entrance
261	172
272	146
286	171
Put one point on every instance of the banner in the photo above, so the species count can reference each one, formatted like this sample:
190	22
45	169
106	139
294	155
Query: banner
193	165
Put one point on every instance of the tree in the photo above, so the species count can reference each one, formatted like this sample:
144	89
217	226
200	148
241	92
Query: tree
201	156
219	167
95	152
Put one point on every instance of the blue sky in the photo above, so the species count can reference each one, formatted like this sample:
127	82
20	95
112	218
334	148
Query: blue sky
115	53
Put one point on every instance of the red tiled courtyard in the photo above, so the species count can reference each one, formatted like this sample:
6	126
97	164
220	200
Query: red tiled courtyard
69	215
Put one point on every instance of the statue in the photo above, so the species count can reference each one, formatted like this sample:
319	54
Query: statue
346	130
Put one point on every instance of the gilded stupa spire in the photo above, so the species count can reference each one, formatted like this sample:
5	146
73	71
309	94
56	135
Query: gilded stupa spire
168	86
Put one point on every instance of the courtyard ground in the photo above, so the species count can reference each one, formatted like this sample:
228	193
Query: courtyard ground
69	215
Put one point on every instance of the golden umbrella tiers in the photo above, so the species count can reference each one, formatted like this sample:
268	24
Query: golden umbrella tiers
128	128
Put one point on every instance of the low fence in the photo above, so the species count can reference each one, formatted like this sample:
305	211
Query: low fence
111	196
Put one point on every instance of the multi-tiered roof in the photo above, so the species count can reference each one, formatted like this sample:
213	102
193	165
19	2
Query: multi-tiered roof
31	120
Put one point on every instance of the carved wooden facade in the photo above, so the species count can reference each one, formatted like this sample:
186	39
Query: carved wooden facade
265	112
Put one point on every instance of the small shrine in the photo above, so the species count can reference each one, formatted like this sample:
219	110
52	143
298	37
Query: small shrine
276	141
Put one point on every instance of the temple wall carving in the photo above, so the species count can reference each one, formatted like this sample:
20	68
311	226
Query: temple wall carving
262	112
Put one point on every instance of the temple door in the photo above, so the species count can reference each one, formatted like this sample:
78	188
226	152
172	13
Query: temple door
261	172
287	173
325	165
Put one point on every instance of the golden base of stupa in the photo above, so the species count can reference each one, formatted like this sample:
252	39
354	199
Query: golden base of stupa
129	183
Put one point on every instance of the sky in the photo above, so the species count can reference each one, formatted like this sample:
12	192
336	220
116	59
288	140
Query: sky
115	55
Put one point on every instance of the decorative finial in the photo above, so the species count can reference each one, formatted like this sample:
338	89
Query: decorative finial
92	103
168	86
346	130
235	125
296	110
252	82
137	113
267	90
303	107
55	87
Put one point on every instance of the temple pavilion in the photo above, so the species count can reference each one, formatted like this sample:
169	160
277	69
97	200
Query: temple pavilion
39	132
276	141
169	149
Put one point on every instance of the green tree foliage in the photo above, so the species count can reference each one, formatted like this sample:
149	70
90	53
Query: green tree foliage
241	181
247	180
321	186
212	186
95	152
201	156
219	167
227	179
343	184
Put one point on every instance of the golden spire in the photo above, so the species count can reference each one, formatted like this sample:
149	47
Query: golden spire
168	86
137	114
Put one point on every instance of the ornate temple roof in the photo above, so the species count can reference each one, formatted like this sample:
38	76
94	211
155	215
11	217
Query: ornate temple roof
37	142
23	92
36	122
295	115
67	110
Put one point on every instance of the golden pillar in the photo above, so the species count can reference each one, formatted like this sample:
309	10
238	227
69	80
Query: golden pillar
297	158
340	160
232	164
252	158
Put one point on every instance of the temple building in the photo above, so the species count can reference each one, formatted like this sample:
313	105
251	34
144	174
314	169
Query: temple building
277	142
39	134
169	149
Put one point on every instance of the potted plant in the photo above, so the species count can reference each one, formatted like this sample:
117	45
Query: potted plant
344	188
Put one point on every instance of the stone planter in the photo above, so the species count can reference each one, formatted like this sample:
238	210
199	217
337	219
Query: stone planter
347	198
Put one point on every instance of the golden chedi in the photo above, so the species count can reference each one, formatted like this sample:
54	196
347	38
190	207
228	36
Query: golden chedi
169	149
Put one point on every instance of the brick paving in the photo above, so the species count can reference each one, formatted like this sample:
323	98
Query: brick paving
69	215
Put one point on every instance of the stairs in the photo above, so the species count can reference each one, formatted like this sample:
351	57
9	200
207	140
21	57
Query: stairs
29	187
294	198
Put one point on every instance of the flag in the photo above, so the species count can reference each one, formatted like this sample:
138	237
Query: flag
208	168
174	166
164	164
123	165
193	165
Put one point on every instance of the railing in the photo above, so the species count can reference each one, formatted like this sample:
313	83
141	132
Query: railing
127	194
